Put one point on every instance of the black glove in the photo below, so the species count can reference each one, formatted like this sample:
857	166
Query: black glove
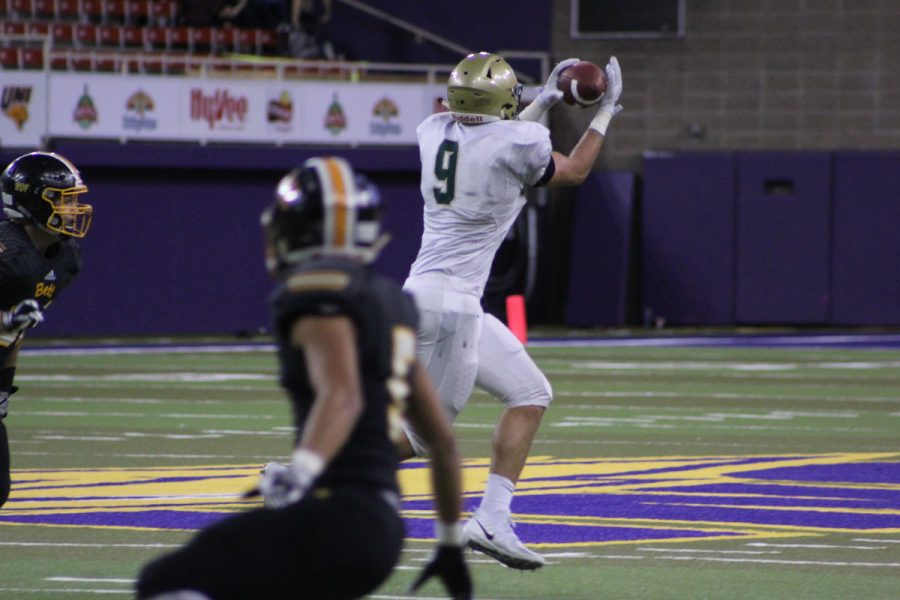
23	315
448	564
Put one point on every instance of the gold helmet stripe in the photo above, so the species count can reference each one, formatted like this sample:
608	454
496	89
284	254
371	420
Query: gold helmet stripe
337	184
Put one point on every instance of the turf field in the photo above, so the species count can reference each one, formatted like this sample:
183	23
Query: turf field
675	469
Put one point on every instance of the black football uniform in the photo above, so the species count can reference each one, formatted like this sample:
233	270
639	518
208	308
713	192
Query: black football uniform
26	273
314	549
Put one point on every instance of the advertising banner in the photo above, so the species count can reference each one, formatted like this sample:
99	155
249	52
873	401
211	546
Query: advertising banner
229	110
23	109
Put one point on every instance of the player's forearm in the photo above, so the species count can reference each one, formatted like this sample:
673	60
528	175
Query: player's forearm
431	422
575	168
446	480
331	421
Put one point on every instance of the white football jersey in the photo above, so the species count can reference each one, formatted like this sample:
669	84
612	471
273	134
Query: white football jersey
473	183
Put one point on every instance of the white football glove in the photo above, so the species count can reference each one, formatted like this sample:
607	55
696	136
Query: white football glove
23	315
282	485
609	106
549	95
4	404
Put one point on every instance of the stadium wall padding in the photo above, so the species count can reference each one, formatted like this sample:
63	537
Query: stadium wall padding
687	238
782	212
601	252
771	238
866	239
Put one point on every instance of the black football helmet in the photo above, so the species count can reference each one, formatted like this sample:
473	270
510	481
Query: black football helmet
43	188
322	208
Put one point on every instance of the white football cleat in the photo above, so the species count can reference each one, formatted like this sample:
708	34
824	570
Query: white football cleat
492	534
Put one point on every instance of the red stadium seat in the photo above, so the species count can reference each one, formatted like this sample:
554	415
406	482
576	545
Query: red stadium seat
150	63
163	12
32	58
246	41
110	36
105	62
139	11
9	58
268	42
37	28
59	62
133	36
68	10
86	36
201	39
80	61
62	34
45	9
175	64
114	11
180	38
12	27
93	9
21	9
156	38
225	39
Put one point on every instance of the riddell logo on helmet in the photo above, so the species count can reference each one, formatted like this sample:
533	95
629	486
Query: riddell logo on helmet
22	187
469	119
220	107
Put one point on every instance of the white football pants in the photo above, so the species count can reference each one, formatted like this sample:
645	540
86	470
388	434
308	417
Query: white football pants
461	347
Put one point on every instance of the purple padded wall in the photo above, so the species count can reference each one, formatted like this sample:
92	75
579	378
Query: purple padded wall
167	257
687	237
866	242
601	250
783	244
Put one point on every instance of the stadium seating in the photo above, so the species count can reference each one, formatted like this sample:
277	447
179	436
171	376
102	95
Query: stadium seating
73	27
9	58
68	10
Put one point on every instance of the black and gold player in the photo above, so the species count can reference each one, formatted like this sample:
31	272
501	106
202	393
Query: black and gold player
330	528
38	258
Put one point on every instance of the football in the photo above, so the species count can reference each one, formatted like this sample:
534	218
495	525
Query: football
582	84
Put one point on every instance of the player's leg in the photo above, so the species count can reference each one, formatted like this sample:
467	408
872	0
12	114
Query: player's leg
507	372
5	482
447	343
341	545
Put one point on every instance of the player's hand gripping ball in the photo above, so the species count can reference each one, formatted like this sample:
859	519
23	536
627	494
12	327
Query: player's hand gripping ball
582	84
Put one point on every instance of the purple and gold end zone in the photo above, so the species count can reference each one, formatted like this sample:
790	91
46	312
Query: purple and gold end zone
559	503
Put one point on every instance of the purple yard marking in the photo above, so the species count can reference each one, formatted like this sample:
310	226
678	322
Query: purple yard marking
576	534
706	496
152	519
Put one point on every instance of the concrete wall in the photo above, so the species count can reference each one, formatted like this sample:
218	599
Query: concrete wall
750	75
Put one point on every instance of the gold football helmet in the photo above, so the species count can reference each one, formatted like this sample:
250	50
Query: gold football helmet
483	84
